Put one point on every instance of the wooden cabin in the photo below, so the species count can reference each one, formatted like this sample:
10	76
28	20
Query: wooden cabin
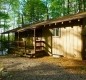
62	37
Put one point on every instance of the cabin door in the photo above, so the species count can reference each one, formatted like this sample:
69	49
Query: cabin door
56	50
56	42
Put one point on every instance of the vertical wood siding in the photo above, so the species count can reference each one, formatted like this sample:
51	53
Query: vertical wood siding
69	44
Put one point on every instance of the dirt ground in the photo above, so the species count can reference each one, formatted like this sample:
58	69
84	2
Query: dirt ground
44	68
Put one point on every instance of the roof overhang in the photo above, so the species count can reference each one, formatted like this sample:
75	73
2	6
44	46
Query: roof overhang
69	18
11	31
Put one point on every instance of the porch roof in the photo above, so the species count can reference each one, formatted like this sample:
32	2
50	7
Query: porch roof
12	30
49	22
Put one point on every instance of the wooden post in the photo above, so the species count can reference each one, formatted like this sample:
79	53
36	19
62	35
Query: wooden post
25	46
8	42
18	39
1	45
8	37
34	40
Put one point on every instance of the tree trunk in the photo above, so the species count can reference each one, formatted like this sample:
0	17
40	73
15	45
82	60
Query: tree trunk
22	20
68	11
47	11
84	5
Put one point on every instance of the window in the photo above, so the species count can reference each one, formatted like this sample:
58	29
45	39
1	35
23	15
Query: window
56	32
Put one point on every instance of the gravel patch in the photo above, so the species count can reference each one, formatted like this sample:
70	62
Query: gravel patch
46	68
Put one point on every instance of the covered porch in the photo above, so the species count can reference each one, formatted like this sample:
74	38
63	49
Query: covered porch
27	42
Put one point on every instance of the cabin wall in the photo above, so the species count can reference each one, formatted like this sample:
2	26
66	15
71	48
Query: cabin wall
24	36
69	44
47	38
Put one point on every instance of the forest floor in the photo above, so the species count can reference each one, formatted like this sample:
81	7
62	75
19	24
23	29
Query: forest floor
44	68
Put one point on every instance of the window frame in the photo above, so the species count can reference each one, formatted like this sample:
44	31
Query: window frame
55	32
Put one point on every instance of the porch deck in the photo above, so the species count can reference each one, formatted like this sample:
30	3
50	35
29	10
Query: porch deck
22	49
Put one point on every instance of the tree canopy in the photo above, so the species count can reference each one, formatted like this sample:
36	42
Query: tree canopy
34	10
31	11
